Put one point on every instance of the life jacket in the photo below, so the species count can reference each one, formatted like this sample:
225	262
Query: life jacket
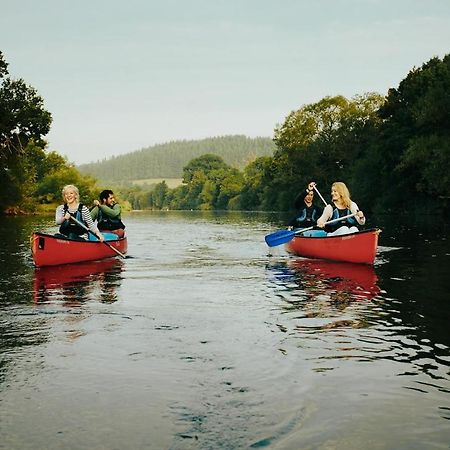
308	216
68	226
349	222
105	222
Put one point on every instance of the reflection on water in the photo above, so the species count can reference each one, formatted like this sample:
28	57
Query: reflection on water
341	309
343	282
78	283
322	294
202	341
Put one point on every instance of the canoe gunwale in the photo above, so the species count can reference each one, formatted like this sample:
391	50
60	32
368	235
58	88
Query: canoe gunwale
359	232
61	238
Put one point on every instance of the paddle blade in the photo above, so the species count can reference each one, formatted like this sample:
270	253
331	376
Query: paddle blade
279	237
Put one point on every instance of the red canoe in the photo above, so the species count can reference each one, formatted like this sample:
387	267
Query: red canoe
360	247
49	250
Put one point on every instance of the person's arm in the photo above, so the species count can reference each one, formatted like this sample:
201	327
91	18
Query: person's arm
59	215
300	199
360	218
327	213
90	223
112	213
94	213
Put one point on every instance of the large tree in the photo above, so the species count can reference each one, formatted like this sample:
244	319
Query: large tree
320	142
205	164
23	120
410	157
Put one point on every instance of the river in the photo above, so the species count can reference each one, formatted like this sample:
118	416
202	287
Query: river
202	338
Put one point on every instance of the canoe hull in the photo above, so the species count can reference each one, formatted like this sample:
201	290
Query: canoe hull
49	250
360	247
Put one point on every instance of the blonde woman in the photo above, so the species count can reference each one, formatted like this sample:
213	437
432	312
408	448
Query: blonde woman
342	205
73	207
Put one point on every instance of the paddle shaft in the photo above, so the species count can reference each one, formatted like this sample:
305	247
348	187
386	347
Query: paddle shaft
82	225
283	236
320	195
326	223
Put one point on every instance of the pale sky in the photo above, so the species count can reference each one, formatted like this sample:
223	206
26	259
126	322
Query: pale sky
118	76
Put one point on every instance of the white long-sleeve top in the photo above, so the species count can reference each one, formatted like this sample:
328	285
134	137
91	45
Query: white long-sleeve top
85	214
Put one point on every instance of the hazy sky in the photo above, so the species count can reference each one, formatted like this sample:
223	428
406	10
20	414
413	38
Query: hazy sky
121	75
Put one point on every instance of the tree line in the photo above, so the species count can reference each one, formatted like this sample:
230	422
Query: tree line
32	176
392	151
167	160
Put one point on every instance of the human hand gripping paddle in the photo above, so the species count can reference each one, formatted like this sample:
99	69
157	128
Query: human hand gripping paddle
283	236
82	225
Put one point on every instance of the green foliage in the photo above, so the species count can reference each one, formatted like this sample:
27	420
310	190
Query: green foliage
393	153
159	195
48	190
167	160
429	158
411	148
31	175
319	142
209	183
23	124
22	115
205	164
310	122
257	175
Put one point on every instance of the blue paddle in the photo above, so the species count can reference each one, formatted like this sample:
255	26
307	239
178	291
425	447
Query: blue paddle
283	236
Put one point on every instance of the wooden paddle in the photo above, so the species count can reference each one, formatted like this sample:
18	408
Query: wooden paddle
82	225
283	236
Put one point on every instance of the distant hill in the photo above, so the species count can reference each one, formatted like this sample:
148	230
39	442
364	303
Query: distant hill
167	160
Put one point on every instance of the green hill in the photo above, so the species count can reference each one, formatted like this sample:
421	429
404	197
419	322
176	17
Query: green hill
167	160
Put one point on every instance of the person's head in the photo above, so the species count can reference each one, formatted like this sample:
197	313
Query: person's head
107	197
340	193
70	193
309	197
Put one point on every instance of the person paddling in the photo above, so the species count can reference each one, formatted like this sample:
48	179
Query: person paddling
307	212
341	206
108	214
73	208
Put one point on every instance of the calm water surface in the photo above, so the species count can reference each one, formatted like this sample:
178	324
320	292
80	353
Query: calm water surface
202	340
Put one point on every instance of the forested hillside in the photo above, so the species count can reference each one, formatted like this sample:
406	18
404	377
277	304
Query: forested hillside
167	160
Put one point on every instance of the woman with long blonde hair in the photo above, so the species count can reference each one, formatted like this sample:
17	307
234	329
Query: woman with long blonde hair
342	205
73	208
